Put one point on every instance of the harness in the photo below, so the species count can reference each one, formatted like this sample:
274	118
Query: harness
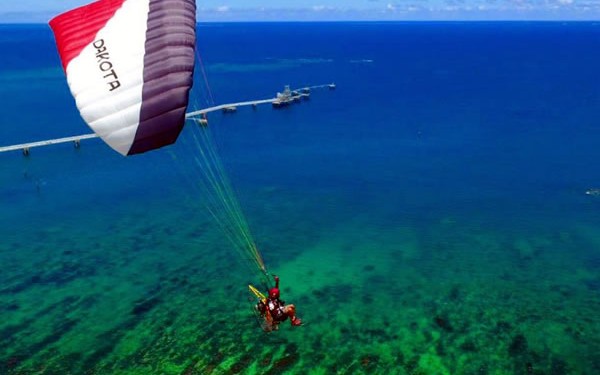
275	308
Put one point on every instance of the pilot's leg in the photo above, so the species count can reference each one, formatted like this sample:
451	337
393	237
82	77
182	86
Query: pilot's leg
290	310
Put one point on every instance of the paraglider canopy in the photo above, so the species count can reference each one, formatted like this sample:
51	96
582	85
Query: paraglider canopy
129	66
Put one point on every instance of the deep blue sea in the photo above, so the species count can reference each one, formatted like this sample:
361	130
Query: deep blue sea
429	216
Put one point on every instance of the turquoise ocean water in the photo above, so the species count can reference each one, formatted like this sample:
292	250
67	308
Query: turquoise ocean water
429	216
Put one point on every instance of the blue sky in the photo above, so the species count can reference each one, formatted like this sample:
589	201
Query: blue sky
319	10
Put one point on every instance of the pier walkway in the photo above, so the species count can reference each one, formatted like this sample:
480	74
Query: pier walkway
281	98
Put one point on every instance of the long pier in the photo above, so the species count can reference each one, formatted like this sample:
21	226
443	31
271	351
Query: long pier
227	106
287	97
26	146
283	98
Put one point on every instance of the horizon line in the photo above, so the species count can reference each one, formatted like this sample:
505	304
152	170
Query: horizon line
367	21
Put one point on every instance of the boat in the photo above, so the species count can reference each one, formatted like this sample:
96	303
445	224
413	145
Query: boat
593	192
